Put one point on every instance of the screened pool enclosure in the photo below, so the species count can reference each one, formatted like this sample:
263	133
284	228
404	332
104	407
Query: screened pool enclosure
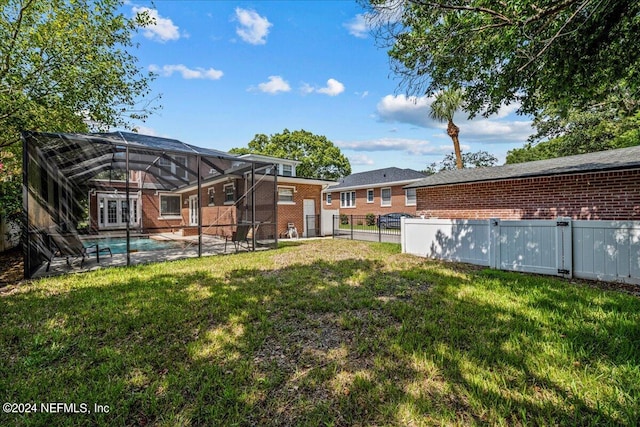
122	198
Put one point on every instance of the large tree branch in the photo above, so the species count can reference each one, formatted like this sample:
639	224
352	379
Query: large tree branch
556	36
485	10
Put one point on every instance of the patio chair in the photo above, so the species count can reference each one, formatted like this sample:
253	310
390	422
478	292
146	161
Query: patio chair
243	235
237	237
69	245
292	231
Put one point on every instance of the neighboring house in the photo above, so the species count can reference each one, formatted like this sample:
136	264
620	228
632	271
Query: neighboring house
596	186
378	192
299	199
156	210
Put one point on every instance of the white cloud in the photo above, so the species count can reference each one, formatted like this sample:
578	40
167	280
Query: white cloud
333	88
360	159
358	26
415	111
187	73
253	28
412	110
162	29
408	145
274	85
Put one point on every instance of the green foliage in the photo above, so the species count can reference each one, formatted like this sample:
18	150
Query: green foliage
344	219
65	67
371	219
320	158
479	159
446	104
579	133
535	52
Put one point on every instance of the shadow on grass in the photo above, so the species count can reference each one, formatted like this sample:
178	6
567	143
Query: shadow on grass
349	342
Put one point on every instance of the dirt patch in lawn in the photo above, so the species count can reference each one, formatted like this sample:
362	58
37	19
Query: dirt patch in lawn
11	267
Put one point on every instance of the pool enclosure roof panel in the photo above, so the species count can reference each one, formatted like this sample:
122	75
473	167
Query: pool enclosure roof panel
80	157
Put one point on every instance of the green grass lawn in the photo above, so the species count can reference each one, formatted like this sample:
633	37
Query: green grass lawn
325	332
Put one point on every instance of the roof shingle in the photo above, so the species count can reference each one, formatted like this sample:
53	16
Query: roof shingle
622	158
378	176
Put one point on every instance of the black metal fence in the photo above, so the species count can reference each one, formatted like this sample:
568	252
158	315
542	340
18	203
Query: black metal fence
375	228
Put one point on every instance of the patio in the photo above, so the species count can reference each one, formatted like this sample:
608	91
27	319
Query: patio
109	186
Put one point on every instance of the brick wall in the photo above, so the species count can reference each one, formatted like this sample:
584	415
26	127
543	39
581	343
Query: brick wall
398	202
295	212
595	196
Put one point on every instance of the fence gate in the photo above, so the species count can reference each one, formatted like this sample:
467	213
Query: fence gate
540	246
311	222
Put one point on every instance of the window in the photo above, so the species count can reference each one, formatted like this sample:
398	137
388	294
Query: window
287	170
211	193
169	205
285	194
410	196
172	167
369	196
328	198
385	195
229	194
348	199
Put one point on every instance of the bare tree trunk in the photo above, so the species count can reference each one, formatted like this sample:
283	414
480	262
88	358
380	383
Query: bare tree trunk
453	131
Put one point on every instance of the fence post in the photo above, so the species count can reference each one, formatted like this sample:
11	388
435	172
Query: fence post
494	243
380	229
351	223
564	249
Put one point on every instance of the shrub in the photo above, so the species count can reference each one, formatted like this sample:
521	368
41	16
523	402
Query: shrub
371	219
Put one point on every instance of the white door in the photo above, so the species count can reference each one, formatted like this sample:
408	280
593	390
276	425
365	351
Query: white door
309	208
193	210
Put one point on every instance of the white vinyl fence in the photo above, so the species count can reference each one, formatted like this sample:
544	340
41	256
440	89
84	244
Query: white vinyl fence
601	250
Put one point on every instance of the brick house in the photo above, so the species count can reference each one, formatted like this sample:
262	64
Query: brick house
299	200
595	186
157	211
378	192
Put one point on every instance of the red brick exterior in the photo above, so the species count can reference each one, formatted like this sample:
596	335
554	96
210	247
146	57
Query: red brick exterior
218	218
398	202
295	212
592	196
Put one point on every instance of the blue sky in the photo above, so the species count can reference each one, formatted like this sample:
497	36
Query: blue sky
230	69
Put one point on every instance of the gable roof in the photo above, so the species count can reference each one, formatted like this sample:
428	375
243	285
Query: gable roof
622	158
377	177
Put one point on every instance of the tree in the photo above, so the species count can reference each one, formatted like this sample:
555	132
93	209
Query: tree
320	158
584	133
443	108
63	65
534	52
479	159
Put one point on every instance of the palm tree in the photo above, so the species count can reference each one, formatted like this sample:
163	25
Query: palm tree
443	108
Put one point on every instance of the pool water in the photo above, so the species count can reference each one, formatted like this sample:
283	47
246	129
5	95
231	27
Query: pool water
118	245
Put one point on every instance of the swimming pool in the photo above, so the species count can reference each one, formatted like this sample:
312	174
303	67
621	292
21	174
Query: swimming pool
118	245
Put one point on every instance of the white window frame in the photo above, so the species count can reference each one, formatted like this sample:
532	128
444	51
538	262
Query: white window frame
407	202
382	201
102	217
286	170
347	199
328	199
233	187
169	216
172	164
286	202
370	192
